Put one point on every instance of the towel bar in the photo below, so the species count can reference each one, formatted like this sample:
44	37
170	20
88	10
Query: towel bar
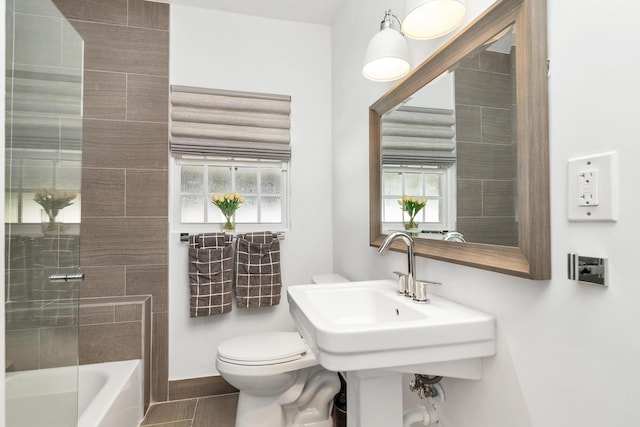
184	237
75	277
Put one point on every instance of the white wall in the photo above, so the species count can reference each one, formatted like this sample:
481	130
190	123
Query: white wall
238	52
567	353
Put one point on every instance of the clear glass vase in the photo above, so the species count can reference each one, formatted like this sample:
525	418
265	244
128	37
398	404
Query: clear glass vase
411	224
51	224
229	225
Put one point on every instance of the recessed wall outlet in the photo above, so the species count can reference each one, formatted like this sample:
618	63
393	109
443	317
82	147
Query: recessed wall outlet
593	188
588	187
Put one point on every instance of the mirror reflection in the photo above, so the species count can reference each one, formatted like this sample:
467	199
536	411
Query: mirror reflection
43	169
454	143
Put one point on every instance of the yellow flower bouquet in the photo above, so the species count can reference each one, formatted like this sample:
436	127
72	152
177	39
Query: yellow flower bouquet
53	201
411	205
228	203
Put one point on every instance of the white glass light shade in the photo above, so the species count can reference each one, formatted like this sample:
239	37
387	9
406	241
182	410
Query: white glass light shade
387	56
429	19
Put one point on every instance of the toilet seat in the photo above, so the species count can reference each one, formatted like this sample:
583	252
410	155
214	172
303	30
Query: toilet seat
263	349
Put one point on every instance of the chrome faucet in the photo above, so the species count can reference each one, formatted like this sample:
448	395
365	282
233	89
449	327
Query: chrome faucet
409	289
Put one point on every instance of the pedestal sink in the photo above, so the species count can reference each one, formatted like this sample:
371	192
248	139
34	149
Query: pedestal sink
374	334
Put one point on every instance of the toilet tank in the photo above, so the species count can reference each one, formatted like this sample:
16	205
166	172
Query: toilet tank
328	278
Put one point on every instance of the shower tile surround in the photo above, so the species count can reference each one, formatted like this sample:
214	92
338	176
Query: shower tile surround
111	329
124	248
117	328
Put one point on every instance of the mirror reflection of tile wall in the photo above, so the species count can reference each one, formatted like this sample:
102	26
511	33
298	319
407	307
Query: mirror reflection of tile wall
487	149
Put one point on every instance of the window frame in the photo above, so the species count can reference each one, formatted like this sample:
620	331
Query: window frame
175	171
448	191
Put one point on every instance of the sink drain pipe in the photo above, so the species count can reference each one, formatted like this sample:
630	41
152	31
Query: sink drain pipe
427	415
427	387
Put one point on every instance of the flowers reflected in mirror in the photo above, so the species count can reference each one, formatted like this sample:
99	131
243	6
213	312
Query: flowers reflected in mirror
53	201
412	205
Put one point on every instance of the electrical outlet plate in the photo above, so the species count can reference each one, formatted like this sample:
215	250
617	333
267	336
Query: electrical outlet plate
588	188
593	188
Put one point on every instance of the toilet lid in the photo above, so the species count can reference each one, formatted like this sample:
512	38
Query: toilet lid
264	348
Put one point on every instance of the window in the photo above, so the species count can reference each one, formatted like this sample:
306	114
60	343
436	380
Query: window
434	183
211	126
262	184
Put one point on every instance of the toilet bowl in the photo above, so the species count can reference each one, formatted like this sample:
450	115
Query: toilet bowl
280	381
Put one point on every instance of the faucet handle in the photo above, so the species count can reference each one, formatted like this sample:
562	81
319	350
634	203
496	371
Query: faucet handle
402	283
421	291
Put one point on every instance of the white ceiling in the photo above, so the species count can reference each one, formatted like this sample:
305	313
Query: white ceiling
311	11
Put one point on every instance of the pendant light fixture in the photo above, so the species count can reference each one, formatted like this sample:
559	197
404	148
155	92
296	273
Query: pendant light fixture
429	19
387	56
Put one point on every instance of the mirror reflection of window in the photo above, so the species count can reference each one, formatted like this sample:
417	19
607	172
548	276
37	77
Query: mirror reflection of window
460	129
429	182
33	174
419	156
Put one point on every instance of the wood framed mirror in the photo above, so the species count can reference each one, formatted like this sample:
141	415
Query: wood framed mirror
526	253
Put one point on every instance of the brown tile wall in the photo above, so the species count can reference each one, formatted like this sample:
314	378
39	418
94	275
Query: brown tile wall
124	181
41	347
116	328
110	329
487	149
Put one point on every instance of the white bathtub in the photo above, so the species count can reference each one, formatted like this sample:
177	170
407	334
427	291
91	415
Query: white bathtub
109	395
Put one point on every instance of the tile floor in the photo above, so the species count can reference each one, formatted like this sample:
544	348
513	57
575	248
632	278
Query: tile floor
213	411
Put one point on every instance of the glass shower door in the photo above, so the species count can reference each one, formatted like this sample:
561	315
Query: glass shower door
44	59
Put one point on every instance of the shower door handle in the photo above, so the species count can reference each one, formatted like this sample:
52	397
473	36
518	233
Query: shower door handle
76	277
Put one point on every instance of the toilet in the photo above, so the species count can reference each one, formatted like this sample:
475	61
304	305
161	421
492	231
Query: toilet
280	381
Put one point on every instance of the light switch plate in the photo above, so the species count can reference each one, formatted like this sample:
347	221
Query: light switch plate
593	188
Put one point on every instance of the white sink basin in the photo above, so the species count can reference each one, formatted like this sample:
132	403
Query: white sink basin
368	325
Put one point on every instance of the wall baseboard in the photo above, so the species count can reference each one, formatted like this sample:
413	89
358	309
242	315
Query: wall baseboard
199	387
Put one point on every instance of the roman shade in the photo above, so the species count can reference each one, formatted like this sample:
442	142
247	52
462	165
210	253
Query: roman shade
418	136
231	124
